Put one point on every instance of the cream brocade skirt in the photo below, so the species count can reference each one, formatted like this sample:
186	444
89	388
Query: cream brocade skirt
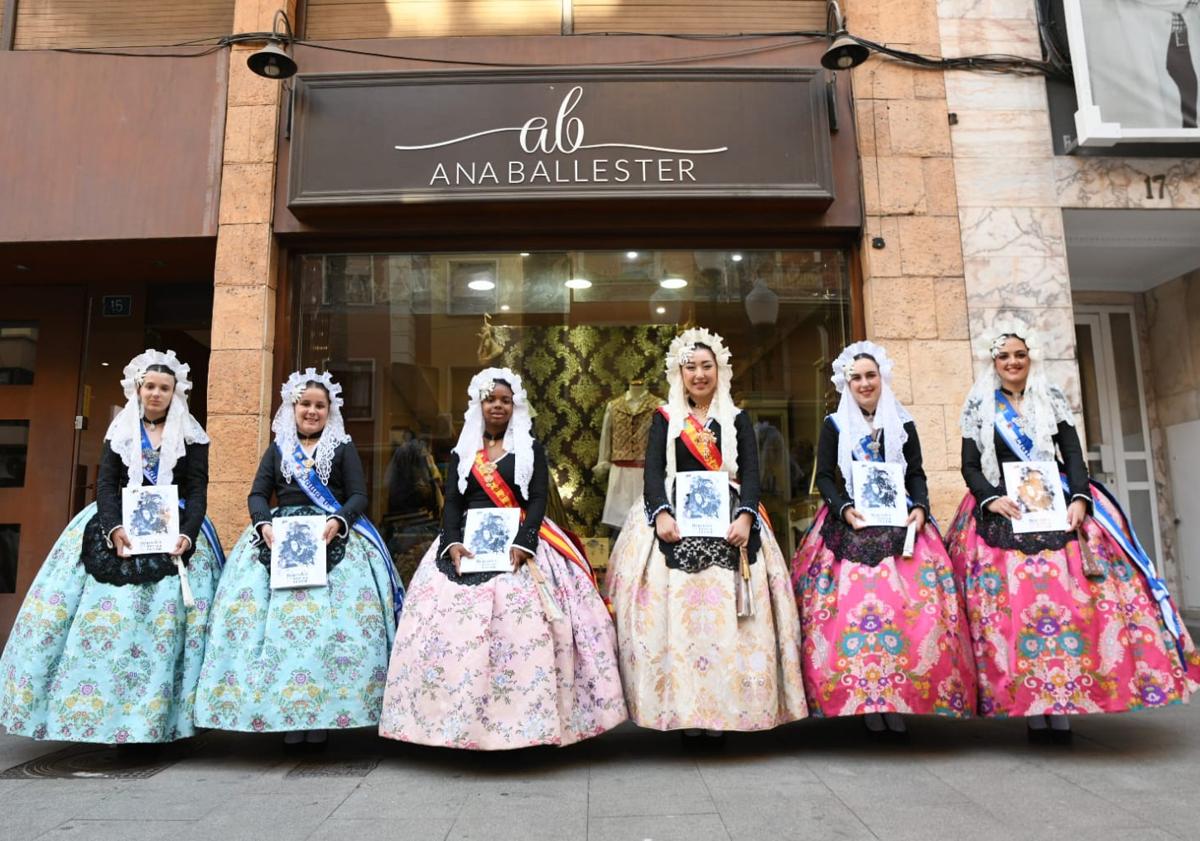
687	660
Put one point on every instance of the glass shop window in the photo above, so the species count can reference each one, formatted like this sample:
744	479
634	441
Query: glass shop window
587	332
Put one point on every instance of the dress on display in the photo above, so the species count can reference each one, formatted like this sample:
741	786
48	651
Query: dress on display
104	648
307	658
623	450
687	659
882	633
477	662
1048	638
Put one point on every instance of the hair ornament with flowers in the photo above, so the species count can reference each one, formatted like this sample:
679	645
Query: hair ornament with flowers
683	347
124	434
990	344
846	358
293	389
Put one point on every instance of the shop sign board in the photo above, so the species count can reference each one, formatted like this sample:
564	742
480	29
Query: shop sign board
1135	65
396	138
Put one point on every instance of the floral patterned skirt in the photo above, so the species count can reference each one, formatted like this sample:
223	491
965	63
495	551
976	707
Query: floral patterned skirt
687	660
886	638
303	659
481	667
1050	640
93	662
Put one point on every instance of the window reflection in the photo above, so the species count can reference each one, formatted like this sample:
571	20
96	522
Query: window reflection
18	352
14	451
405	333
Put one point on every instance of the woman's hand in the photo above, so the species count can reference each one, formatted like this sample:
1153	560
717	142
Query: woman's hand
1005	507
854	519
916	517
333	527
518	557
457	553
739	530
182	545
1076	512
666	527
267	534
120	542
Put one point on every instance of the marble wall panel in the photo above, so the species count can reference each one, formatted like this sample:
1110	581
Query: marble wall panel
1121	182
1012	232
973	36
994	92
1009	134
1021	281
989	9
1005	182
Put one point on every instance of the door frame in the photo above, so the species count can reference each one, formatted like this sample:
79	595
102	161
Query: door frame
1097	316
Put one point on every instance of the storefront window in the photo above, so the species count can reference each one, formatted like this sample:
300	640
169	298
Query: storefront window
404	334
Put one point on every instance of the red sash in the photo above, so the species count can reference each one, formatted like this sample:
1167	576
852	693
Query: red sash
702	444
503	496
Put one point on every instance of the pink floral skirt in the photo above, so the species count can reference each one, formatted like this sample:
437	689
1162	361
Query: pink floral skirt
1050	640
481	666
885	638
687	660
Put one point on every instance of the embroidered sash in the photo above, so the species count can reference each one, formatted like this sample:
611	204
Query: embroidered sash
150	472
702	444
1105	510
323	498
502	496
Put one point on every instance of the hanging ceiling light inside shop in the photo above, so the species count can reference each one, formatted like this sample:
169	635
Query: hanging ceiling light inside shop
578	283
481	285
737	258
672	283
632	255
273	61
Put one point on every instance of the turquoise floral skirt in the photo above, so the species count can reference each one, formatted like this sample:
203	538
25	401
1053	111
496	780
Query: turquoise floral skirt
93	662
303	659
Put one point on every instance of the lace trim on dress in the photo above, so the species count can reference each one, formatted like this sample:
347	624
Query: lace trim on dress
335	551
102	562
996	531
869	546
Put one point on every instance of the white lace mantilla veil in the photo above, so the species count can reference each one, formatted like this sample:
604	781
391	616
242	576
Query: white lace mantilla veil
124	434
890	415
284	424
518	438
722	409
1044	408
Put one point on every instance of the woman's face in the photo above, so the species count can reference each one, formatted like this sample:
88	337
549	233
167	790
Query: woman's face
155	392
498	407
865	384
1012	364
700	376
312	411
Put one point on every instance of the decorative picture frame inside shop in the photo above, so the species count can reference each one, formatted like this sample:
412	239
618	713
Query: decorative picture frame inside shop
357	378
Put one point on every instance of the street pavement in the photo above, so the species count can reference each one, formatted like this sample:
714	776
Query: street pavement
1131	777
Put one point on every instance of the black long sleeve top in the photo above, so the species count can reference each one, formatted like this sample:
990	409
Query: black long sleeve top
454	515
833	486
190	474
1067	441
655	477
346	482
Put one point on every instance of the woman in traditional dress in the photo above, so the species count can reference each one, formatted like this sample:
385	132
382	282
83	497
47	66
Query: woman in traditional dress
1063	622
307	659
498	660
885	633
107	646
708	632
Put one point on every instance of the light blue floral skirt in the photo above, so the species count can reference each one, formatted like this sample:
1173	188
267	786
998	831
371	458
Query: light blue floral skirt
93	662
303	659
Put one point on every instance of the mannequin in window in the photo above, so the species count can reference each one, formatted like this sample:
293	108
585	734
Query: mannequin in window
623	438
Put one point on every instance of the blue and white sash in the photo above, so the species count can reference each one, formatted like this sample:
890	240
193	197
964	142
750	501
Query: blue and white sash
151	475
1105	510
323	498
864	451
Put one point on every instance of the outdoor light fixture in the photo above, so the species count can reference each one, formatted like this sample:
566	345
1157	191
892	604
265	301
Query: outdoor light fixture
845	51
273	61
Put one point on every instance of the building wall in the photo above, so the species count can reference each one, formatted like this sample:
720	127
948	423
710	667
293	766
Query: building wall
913	287
1012	190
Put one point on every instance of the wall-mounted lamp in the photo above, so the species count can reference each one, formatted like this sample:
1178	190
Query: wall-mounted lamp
273	61
844	50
